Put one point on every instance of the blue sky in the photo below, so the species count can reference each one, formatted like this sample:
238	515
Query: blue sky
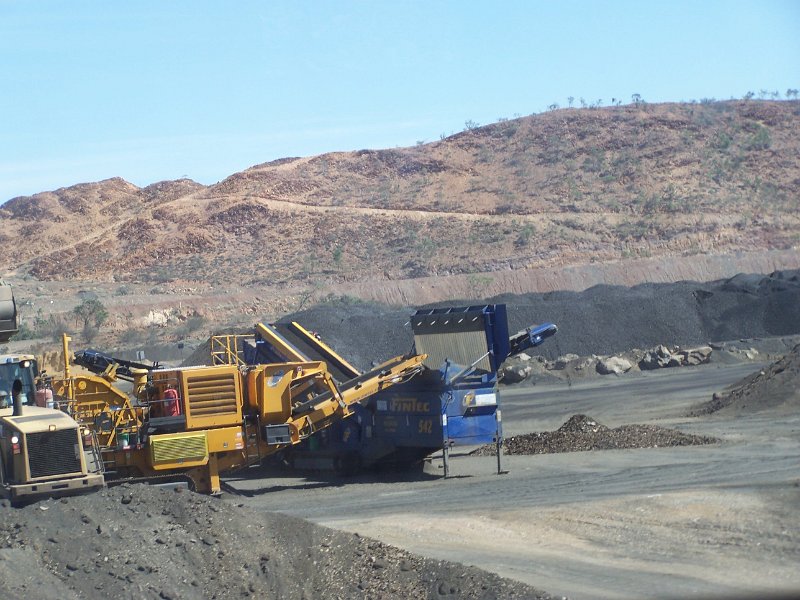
160	90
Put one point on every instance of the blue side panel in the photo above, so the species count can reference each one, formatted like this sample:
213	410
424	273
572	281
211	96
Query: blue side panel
471	409
409	431
475	430
345	437
408	416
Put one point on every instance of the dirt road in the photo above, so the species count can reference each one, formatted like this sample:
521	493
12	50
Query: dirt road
683	522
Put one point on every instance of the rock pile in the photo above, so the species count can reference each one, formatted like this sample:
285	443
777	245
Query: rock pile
661	357
613	365
138	541
520	368
774	387
582	433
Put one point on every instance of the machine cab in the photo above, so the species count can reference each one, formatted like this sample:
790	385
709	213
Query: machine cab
24	368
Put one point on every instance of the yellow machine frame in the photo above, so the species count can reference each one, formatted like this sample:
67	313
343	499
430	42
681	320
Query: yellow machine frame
230	416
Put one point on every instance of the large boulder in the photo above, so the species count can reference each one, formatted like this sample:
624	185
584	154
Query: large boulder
696	356
515	372
518	368
562	361
585	364
613	365
658	358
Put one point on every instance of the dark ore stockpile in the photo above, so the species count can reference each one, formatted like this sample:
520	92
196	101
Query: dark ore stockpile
137	541
600	320
776	386
581	433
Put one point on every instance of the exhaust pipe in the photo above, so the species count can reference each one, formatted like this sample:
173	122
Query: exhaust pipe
16	394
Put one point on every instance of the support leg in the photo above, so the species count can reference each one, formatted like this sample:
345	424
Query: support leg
206	478
498	440
213	475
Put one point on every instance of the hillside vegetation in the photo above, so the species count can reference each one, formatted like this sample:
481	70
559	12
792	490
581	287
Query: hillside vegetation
567	187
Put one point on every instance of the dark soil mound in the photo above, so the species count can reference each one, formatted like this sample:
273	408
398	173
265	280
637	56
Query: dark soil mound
601	320
581	424
609	319
774	387
362	332
138	541
581	433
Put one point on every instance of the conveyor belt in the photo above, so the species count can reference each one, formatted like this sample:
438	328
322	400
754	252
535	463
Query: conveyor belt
394	369
310	352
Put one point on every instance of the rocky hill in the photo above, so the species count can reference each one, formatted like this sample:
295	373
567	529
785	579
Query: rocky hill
616	195
555	188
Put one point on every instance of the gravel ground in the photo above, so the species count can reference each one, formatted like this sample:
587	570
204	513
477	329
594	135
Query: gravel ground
138	541
582	433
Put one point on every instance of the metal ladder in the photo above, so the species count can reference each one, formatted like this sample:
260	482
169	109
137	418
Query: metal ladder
94	458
